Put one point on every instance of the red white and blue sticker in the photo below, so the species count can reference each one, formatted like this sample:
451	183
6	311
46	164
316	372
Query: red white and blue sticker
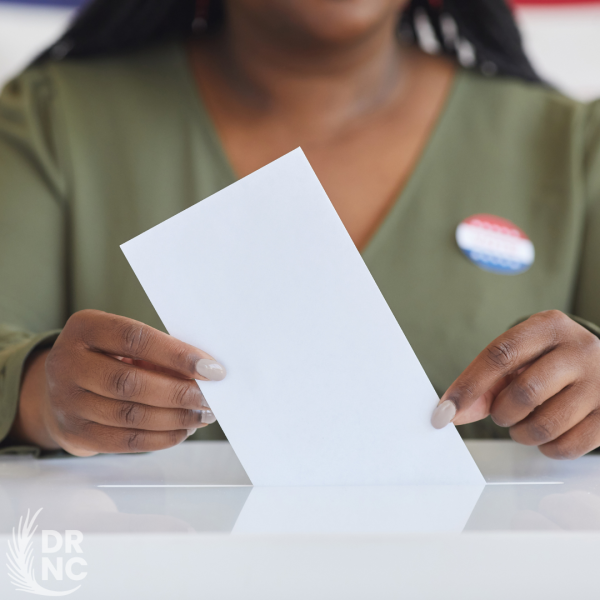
495	244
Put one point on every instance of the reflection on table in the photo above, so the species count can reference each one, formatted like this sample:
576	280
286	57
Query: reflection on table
201	487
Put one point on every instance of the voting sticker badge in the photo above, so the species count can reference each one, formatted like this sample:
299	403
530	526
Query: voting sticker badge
495	244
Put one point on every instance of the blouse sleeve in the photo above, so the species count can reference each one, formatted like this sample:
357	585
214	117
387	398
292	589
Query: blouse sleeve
33	196
586	301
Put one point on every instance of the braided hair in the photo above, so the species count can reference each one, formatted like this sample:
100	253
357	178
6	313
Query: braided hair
481	35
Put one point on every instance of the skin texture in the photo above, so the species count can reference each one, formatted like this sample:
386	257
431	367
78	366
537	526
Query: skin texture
330	76
111	384
541	380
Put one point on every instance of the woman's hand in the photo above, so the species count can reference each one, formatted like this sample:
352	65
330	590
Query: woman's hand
111	384
541	379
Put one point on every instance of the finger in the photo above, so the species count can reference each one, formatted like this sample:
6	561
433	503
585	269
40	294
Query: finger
505	355
106	376
542	380
554	417
481	407
92	438
120	336
148	366
144	364
120	413
152	367
576	442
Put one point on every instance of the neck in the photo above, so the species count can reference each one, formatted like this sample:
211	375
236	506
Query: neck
323	84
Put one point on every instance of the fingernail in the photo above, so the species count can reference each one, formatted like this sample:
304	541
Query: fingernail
443	414
208	417
191	432
211	369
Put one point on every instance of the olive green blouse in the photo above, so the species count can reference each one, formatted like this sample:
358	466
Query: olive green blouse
93	152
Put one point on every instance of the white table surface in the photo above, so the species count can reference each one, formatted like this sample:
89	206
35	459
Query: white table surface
186	523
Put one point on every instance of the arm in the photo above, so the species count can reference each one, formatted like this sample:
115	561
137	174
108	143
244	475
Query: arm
32	234
112	384
103	383
541	379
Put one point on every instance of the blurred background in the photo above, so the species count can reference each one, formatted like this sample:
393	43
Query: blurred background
562	37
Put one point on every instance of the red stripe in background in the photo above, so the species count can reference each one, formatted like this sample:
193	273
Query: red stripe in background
552	2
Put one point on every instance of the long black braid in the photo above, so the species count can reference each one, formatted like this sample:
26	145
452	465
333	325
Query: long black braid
479	34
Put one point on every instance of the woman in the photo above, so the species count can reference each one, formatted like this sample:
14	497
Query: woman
145	108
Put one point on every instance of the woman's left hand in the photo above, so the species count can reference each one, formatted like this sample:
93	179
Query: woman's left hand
541	379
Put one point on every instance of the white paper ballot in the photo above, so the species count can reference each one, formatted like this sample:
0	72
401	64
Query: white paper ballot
322	386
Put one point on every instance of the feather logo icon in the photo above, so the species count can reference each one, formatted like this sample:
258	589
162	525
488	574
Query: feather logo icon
20	559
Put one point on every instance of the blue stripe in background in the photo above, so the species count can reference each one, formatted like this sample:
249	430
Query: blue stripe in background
67	3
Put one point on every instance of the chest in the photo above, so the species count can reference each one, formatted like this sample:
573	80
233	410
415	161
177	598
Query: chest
363	161
448	306
362	172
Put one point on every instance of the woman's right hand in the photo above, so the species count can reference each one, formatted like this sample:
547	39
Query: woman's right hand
112	384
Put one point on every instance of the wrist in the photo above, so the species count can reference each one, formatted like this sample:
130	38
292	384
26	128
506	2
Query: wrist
30	427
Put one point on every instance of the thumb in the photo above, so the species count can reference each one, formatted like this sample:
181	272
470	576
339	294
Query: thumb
446	411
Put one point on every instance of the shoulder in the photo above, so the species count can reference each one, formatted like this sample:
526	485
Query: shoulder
550	132
152	65
517	93
60	115
126	82
514	121
99	107
81	93
28	129
96	75
521	107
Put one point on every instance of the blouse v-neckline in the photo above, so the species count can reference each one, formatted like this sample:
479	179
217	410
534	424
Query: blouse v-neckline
421	166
